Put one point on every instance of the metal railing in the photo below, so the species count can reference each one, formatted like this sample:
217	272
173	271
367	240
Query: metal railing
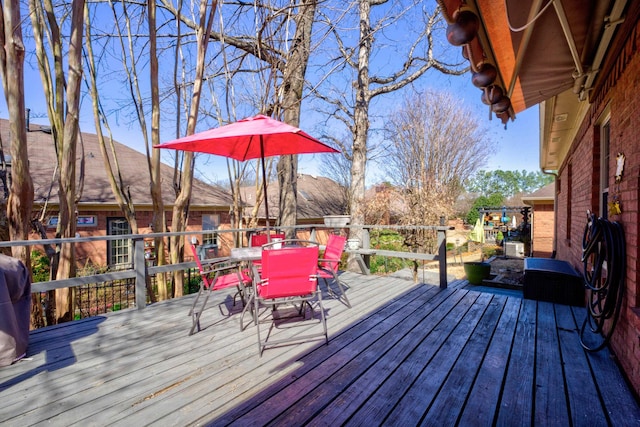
135	278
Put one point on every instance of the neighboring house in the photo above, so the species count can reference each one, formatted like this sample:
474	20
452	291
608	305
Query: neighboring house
580	61
98	213
542	220
317	196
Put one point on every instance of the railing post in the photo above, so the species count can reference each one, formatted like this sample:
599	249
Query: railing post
140	267
442	256
366	239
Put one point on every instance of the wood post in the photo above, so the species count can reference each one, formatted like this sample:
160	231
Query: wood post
442	256
140	267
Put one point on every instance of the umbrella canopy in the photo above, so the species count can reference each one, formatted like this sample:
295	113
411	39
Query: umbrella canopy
251	138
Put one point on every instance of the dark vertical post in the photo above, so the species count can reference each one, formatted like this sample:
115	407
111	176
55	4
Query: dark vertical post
442	256
140	267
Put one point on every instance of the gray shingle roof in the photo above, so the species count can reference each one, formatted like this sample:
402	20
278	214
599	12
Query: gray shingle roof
97	190
544	194
317	196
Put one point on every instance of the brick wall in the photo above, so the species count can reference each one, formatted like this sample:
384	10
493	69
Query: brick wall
95	253
579	190
542	226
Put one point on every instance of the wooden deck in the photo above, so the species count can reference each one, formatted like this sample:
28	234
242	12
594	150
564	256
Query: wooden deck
404	354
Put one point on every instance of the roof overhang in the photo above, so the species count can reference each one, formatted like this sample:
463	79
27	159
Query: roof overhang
548	52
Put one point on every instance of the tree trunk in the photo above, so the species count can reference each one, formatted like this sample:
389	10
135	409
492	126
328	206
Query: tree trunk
67	156
293	84
181	206
158	220
361	130
20	199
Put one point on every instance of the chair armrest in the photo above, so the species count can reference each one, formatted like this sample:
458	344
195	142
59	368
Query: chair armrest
220	264
255	272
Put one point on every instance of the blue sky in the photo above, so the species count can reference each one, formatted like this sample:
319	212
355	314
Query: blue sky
516	148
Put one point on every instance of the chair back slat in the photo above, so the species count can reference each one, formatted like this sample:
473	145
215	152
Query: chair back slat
333	251
290	271
261	239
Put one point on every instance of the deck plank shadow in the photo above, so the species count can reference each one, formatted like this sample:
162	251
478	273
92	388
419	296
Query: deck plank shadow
404	354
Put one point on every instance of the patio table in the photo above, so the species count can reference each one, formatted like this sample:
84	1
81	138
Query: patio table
246	254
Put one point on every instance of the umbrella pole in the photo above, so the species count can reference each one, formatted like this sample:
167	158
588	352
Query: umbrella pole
264	188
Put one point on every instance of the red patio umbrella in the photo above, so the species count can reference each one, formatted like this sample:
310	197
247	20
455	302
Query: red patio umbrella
251	138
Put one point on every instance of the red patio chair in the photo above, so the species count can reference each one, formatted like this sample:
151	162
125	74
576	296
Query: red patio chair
259	239
288	277
328	266
221	274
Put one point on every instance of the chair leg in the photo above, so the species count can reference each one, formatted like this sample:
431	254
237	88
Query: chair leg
255	315
343	294
342	290
248	306
196	300
322	317
195	315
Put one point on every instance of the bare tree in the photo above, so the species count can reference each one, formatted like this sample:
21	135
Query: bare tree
20	198
434	145
292	85
107	147
181	206
287	60
62	92
338	167
419	59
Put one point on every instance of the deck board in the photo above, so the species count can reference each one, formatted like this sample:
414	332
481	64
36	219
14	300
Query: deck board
550	392
404	354
579	382
451	398
482	399
411	407
516	403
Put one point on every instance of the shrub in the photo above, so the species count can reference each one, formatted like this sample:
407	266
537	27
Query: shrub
387	240
192	284
40	266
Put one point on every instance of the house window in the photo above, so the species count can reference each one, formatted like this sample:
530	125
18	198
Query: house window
119	250
604	168
210	222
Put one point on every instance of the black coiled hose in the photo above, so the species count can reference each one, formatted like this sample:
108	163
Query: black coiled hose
604	260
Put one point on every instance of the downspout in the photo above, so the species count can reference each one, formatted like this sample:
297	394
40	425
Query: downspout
555	209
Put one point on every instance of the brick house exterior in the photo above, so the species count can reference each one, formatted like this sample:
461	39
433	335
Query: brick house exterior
98	212
618	104
580	62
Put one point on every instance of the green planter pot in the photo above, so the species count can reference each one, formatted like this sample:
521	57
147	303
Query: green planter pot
477	271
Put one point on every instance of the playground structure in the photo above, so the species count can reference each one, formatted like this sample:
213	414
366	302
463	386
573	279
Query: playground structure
506	224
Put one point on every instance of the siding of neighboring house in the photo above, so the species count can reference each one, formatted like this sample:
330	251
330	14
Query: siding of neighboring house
580	189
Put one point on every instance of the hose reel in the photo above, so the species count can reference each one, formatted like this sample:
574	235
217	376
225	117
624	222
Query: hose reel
604	261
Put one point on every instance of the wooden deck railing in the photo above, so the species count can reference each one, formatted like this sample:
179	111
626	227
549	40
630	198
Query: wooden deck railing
141	272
